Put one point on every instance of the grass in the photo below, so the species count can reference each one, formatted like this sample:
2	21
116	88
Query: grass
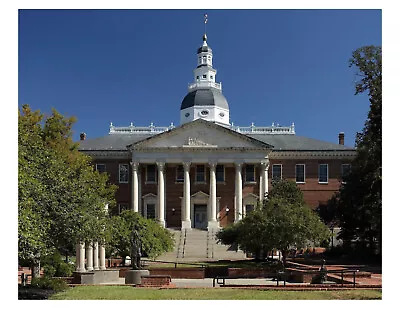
131	293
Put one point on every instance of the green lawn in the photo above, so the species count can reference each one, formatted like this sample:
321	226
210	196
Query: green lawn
131	293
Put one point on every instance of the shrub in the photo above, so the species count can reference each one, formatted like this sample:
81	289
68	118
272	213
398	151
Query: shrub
47	283
55	266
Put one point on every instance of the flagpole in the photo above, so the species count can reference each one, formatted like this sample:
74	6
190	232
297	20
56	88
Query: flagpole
205	23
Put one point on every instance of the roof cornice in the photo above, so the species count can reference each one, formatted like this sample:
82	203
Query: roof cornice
313	154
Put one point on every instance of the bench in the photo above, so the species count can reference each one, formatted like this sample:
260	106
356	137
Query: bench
221	280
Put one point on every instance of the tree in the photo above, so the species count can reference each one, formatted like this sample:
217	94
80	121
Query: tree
283	222
60	197
360	197
154	238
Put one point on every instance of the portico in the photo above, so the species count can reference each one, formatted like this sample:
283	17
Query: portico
198	143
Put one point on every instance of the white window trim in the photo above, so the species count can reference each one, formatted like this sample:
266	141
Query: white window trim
150	198
254	174
219	181
272	170
304	173
327	173
249	199
205	175
155	176
105	166
119	173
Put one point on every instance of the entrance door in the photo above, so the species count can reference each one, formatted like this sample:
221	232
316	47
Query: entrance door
200	217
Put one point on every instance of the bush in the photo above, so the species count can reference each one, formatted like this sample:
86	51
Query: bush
55	266
47	283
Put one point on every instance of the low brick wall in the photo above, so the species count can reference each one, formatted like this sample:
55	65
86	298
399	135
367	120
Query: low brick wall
251	272
299	276
155	281
179	272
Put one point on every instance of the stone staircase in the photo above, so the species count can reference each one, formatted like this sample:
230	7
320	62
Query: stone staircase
199	245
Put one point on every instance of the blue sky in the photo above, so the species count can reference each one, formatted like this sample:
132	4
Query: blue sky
126	66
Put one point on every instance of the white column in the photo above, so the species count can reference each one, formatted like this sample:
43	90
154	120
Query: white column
102	249
81	257
161	196
261	186
238	192
77	257
102	257
135	187
212	220
89	257
186	223
264	174
95	255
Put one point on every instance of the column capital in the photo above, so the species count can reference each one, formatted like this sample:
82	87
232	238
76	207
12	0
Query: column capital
212	164
186	166
265	164
135	166
160	165
239	164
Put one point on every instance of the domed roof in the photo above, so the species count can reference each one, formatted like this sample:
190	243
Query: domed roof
204	49
205	97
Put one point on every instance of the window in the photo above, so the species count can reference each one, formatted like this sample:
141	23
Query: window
323	173
211	77
151	173
200	173
249	208
250	173
122	207
123	173
345	170
220	173
204	112
277	171
204	76
197	77
151	211
101	168
300	173
179	174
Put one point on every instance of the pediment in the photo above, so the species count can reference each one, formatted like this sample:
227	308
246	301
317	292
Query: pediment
149	196
201	134
200	194
250	196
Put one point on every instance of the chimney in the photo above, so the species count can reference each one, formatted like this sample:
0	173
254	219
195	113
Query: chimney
341	138
82	136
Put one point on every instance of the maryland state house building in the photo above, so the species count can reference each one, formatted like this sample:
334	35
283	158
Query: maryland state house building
207	173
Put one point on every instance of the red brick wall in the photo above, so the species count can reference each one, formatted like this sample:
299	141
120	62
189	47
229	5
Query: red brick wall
180	272
314	192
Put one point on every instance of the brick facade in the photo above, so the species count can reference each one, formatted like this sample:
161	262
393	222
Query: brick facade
315	193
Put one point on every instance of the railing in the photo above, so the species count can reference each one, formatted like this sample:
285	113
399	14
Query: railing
151	129
204	85
264	130
252	129
221	280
